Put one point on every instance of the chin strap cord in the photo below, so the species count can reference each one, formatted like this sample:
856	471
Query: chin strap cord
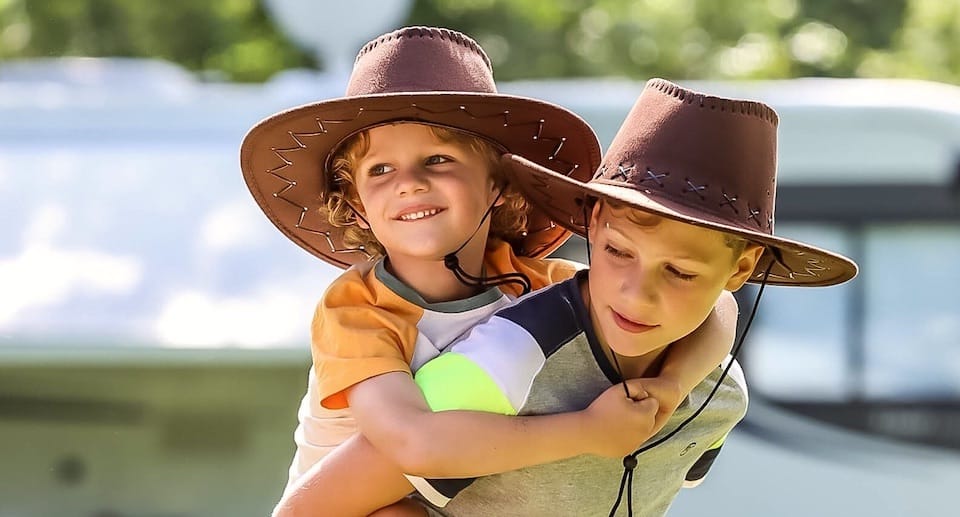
630	460
452	262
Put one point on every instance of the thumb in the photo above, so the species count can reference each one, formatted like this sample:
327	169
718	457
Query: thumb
635	389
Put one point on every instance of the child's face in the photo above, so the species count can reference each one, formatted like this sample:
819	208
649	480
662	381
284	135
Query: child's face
654	280
421	196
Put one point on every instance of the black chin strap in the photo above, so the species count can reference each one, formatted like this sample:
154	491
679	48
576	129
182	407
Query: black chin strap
630	460
451	262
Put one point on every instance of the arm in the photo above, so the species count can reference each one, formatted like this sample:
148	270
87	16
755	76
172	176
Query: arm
692	358
357	478
393	415
353	480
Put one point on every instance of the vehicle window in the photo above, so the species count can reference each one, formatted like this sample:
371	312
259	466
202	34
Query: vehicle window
912	311
796	349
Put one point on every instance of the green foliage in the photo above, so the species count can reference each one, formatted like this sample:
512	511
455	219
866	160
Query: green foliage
233	39
679	39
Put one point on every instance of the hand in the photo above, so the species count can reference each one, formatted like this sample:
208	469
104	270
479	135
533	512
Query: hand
667	392
617	425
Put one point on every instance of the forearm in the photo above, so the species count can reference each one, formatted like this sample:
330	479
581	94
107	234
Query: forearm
354	479
393	414
692	358
471	444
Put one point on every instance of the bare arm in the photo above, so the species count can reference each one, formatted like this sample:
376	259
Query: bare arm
392	413
692	358
353	480
358	478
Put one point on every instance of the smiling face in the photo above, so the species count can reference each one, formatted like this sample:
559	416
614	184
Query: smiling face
423	197
654	280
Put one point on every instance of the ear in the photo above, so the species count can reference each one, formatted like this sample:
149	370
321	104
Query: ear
497	192
744	266
359	214
498	195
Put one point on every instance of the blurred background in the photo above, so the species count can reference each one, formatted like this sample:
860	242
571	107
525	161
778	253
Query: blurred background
154	325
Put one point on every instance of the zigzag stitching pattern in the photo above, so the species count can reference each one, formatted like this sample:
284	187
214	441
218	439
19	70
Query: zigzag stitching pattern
299	146
538	135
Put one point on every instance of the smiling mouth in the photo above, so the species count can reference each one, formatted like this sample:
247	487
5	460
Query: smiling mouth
420	214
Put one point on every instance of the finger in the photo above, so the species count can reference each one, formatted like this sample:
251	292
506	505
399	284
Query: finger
648	404
635	389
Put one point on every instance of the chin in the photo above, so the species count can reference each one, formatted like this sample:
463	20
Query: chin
628	347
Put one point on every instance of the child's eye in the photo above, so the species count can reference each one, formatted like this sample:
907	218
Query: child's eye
379	169
679	274
615	252
437	159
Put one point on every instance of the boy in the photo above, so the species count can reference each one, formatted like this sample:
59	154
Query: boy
409	175
680	211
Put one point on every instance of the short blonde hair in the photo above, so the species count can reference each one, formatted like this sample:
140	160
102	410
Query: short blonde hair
508	222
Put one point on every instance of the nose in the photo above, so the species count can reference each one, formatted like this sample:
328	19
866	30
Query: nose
411	179
640	290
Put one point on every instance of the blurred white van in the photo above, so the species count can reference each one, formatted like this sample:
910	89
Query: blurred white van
154	325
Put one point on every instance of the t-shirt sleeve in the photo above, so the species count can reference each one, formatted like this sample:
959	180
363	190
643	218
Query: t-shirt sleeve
490	370
699	470
359	331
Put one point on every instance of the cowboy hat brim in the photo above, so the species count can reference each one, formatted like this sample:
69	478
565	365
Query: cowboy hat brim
285	157
566	201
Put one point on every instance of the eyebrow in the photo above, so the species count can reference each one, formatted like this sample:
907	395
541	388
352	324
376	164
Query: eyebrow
692	258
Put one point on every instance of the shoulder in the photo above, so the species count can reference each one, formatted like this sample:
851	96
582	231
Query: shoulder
500	259
359	286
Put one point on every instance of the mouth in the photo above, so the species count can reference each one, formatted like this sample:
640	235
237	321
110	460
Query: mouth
631	326
418	214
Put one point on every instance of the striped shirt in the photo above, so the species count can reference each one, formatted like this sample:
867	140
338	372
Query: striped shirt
540	355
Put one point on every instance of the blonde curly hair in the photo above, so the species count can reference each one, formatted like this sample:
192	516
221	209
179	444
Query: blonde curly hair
508	222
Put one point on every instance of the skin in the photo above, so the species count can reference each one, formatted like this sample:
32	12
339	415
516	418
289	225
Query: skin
651	283
407	170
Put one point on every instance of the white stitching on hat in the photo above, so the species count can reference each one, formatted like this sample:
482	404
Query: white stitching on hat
300	145
753	215
728	201
696	189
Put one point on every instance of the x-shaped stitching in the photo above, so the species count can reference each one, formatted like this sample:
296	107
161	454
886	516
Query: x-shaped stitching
696	189
623	173
650	175
729	201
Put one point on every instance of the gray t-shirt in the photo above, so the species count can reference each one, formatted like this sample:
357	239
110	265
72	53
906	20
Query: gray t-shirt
539	356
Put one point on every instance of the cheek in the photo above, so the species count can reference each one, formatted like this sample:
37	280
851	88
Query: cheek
691	304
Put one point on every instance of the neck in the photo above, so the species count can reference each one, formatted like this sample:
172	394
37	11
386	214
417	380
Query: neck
647	365
630	367
431	278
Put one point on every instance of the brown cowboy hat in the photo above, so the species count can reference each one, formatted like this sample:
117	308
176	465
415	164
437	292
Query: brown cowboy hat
697	159
416	74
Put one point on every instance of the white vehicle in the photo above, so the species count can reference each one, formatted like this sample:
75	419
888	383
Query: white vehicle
154	325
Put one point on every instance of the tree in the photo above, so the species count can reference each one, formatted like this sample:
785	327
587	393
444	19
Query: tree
678	39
